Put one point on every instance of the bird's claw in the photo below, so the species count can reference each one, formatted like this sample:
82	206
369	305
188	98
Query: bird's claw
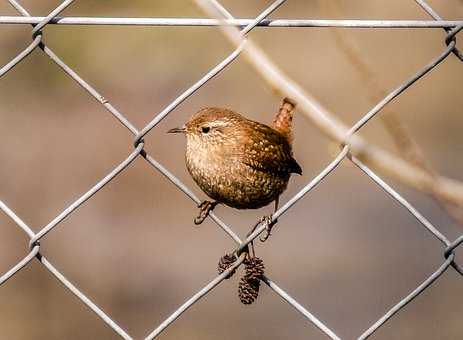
268	222
205	207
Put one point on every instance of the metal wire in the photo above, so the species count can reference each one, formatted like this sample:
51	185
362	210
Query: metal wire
288	23
40	23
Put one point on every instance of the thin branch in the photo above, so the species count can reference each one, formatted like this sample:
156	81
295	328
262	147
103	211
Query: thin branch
410	150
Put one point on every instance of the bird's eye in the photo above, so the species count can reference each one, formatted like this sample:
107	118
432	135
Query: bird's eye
205	129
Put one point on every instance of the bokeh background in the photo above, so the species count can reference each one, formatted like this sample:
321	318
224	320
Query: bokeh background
347	251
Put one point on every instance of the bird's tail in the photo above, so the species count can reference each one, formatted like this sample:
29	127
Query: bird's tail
284	118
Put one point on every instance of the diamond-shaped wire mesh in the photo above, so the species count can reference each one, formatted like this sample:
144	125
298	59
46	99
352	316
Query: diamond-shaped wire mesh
350	144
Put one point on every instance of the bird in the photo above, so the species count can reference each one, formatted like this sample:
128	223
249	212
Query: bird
238	162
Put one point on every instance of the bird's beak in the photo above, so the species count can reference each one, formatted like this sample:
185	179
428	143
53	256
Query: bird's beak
177	130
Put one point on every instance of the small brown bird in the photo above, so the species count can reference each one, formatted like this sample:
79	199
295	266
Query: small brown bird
239	162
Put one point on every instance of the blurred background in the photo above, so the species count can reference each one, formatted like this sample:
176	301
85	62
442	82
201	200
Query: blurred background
347	252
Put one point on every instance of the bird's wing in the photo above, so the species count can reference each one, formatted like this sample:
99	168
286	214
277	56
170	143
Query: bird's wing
267	150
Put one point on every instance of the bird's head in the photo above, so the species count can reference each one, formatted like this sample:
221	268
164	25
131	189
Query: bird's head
210	126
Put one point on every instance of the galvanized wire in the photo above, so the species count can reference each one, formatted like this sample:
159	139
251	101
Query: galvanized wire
267	23
39	24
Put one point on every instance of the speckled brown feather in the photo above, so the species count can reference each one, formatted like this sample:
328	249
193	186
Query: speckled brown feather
267	151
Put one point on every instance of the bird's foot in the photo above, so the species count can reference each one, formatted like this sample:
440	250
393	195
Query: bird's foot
269	223
205	207
267	220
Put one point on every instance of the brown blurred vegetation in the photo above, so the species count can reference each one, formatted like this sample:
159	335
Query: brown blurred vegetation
347	251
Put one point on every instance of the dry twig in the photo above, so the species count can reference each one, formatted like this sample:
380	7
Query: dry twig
406	145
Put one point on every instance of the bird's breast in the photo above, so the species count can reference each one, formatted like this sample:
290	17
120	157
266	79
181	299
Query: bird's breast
225	178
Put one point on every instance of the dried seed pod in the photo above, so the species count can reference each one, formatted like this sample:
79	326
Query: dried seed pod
225	262
248	290
254	268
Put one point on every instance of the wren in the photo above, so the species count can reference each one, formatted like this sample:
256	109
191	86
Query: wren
239	162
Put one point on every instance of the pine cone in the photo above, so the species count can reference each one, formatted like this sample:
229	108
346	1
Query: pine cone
248	290
254	268
225	262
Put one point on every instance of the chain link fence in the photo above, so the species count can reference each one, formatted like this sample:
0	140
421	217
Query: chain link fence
347	140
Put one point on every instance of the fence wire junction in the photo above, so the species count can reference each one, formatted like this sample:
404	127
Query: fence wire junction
247	25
